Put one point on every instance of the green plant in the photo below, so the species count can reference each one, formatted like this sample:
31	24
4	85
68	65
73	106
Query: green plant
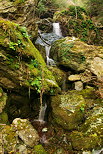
24	32
37	83
35	63
82	108
16	66
13	45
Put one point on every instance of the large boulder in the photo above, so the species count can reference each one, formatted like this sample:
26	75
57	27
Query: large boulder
70	109
72	53
22	62
75	22
81	113
90	136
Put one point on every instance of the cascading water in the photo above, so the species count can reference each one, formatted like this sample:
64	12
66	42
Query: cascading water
56	29
49	60
46	39
42	113
47	49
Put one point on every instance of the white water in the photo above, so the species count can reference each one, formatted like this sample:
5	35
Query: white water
49	60
47	49
56	29
42	113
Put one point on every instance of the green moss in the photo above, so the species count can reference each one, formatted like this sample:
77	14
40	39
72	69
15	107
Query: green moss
66	110
16	2
4	118
38	149
82	142
3	99
18	45
10	138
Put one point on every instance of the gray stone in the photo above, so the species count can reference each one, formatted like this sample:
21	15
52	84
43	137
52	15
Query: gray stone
26	131
78	85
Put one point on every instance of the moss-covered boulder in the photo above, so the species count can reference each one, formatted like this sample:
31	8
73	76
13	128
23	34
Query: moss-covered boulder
69	110
76	22
72	53
91	134
21	64
21	12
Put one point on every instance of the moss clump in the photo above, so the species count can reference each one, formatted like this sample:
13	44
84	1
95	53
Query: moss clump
10	138
3	118
83	142
38	149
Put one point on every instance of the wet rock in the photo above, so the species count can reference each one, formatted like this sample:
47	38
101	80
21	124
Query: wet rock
26	132
78	85
45	25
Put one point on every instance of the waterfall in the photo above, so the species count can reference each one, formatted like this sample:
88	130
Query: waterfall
56	29
47	49
42	113
49	60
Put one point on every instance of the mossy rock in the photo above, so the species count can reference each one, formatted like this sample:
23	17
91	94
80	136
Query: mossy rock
4	118
91	135
3	99
60	76
71	109
9	138
83	142
38	149
73	53
22	61
66	110
78	24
